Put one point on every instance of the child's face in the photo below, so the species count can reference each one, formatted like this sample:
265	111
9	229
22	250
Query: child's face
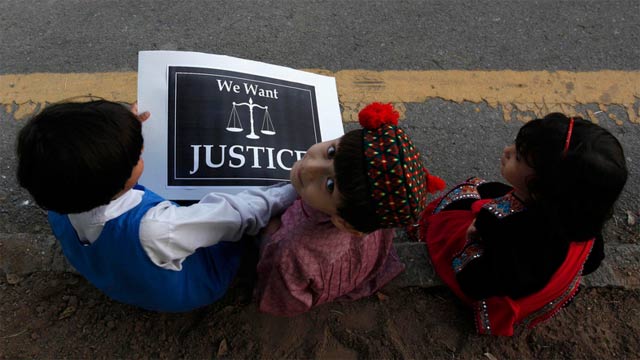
515	171
313	177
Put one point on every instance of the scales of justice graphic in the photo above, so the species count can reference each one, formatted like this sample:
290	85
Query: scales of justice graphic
235	125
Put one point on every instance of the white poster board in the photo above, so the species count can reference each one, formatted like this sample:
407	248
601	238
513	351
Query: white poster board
220	123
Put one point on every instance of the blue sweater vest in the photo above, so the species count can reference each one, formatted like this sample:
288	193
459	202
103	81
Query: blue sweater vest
117	264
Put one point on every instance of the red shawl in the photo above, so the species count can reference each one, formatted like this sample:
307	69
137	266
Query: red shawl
445	236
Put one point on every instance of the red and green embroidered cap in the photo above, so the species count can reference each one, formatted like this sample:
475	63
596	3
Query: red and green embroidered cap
398	180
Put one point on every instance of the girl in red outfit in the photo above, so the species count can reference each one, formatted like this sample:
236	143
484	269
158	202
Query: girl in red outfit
516	252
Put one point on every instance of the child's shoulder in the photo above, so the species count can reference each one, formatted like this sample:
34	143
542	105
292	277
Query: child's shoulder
504	206
469	191
480	189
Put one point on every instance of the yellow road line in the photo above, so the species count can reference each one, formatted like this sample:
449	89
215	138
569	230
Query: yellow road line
520	94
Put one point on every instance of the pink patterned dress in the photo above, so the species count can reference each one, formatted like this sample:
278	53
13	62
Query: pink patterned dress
308	262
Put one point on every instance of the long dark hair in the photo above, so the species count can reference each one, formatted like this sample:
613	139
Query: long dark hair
574	191
73	156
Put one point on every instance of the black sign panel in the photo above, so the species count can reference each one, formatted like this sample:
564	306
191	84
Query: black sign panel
230	128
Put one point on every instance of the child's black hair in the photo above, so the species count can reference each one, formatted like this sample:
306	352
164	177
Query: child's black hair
574	192
73	157
357	207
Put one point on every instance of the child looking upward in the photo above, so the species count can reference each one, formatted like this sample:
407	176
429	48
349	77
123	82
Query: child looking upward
82	161
516	252
335	241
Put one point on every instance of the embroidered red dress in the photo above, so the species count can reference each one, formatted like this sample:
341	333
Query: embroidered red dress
309	261
510	270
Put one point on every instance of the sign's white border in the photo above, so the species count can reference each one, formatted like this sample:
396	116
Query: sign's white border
153	82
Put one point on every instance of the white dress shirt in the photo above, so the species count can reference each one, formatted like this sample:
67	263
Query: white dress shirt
170	233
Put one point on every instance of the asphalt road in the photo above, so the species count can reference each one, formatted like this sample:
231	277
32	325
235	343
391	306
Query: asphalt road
104	35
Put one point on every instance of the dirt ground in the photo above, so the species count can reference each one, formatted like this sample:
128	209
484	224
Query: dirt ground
60	315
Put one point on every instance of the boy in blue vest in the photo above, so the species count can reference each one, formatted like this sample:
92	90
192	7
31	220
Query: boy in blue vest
82	161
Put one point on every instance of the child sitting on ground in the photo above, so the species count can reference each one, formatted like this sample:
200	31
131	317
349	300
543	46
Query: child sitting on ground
82	161
516	253
335	242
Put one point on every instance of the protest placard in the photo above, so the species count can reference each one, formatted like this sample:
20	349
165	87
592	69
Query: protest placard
220	123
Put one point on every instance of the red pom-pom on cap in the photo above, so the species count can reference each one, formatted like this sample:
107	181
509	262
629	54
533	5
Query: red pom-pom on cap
434	183
377	114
